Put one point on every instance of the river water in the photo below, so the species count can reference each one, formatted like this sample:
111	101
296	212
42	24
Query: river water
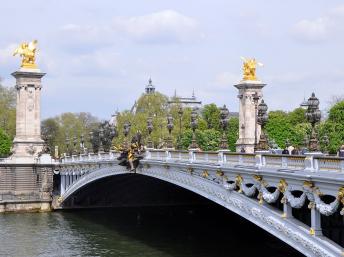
208	231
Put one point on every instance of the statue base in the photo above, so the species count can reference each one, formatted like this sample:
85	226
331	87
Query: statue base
26	151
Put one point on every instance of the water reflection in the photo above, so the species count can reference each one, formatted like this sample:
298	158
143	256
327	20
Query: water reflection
139	232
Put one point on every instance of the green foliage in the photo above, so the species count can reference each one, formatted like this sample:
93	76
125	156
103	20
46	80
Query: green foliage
333	127
207	140
50	132
282	126
5	144
335	133
297	116
68	125
8	110
211	115
233	132
336	113
154	105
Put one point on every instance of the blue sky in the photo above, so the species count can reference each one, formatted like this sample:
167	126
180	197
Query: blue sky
99	55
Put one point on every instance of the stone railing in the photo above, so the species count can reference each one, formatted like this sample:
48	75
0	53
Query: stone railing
225	158
91	157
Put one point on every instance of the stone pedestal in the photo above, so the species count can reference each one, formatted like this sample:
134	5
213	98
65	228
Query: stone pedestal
27	142
247	114
310	164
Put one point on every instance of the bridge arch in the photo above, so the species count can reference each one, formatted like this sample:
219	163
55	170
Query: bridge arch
266	217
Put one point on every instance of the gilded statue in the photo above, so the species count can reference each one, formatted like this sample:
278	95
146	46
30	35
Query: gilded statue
27	51
249	68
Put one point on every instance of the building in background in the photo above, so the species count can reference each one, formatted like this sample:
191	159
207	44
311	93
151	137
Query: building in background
185	102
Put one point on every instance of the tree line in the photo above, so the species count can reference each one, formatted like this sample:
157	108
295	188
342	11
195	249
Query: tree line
281	127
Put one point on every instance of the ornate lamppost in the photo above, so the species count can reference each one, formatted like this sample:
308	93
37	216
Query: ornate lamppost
169	143
255	98
150	129
75	142
82	144
313	115
126	130
194	125
91	138
113	133
224	118
101	138
261	120
68	145
180	115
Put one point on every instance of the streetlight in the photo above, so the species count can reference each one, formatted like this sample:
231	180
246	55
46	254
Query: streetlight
67	144
82	143
224	118
255	98
180	115
150	129
101	138
169	143
91	137
194	125
75	142
126	130
313	115
261	120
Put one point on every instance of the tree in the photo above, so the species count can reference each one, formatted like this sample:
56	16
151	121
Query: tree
233	133
297	116
211	115
69	125
333	127
8	110
5	144
336	113
50	132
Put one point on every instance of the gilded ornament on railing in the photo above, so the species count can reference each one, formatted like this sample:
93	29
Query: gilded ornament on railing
205	174
308	184
190	170
249	68
340	194
282	185
28	53
219	173
238	182
258	178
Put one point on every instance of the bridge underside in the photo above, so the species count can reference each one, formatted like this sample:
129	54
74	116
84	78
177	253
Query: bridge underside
132	190
161	184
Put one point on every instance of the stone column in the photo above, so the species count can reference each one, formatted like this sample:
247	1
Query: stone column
63	184
247	114
28	142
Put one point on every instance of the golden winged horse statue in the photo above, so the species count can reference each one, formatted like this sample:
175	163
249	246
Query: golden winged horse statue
249	68
28	53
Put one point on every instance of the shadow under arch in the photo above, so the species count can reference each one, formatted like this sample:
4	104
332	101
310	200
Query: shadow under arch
266	217
132	191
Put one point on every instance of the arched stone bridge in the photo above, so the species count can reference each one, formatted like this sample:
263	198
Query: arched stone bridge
262	188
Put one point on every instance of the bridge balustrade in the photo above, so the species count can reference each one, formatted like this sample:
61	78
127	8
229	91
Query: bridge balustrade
329	163
270	161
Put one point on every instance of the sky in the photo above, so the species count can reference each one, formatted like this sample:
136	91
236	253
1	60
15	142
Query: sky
99	55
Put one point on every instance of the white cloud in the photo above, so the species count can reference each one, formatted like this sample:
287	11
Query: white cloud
226	78
313	31
166	26
326	27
